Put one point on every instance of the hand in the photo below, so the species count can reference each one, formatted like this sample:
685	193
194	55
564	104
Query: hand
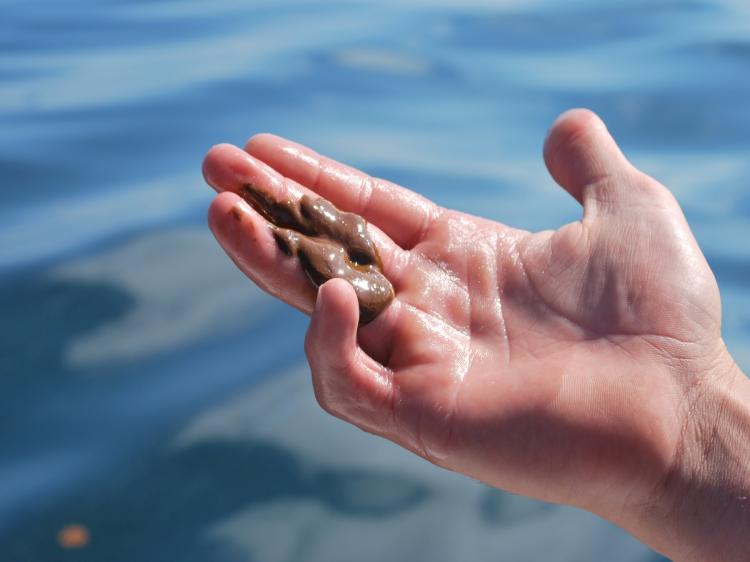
566	365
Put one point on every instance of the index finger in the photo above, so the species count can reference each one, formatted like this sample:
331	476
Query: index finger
403	215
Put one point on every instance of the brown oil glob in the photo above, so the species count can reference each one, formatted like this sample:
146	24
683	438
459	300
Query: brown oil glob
328	243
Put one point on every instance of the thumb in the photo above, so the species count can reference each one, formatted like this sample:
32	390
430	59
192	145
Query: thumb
585	160
347	382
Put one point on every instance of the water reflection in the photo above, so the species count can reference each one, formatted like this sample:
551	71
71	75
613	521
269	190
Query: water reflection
173	499
498	508
43	316
731	271
573	27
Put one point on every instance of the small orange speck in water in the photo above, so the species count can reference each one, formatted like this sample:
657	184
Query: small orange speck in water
73	536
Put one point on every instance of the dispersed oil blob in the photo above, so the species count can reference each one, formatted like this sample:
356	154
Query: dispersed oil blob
73	536
328	243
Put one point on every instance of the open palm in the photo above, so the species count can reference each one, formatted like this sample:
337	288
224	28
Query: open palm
541	363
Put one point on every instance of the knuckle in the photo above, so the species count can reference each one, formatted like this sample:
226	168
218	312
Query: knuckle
325	397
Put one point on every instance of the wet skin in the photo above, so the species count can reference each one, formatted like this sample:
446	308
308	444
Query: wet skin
582	365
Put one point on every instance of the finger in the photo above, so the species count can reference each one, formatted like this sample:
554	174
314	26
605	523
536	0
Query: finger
248	241
402	214
228	168
585	160
347	382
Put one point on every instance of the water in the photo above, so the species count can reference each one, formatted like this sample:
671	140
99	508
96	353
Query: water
145	392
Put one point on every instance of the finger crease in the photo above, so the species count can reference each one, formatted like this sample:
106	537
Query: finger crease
427	219
317	174
364	195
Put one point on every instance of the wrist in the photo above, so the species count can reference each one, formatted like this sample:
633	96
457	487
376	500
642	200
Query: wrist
700	509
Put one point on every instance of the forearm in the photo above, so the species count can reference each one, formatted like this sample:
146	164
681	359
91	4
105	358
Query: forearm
701	511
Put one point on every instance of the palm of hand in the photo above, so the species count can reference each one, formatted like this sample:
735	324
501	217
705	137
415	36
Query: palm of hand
534	362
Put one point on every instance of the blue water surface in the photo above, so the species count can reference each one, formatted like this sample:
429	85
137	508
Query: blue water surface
151	394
